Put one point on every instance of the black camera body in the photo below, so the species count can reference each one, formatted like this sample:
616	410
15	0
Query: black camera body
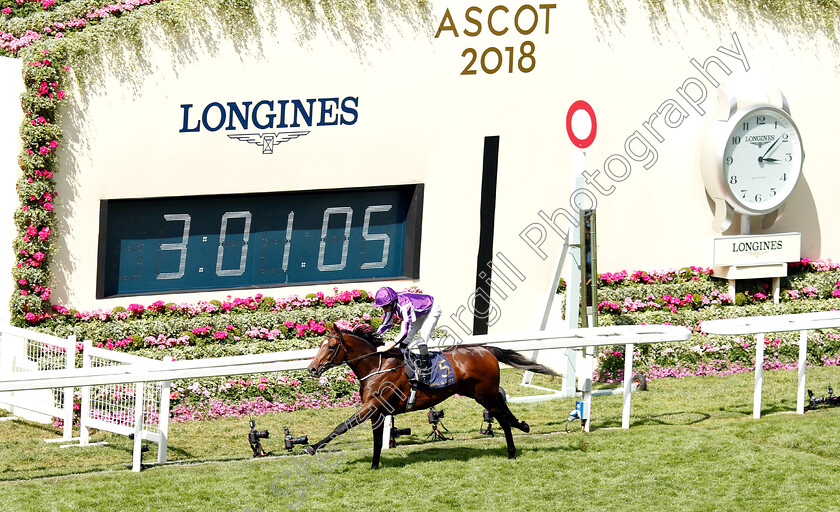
254	437
395	433
830	399
291	441
434	416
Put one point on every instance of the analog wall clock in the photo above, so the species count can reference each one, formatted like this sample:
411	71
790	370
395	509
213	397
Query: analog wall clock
751	162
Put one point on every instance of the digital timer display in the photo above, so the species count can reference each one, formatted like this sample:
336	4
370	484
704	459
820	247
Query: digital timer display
219	242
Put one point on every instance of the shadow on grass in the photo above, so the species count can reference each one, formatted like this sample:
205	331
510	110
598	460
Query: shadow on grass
455	453
669	418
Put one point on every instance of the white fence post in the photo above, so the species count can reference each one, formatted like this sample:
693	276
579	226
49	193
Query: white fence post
70	362
803	355
628	385
759	374
586	387
386	432
137	459
84	412
163	420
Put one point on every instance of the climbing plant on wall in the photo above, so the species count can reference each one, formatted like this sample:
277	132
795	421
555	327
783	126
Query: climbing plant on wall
59	42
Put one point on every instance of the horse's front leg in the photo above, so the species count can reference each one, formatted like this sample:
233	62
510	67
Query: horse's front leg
360	416
378	422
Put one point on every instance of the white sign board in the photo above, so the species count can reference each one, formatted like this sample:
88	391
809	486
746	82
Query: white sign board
756	249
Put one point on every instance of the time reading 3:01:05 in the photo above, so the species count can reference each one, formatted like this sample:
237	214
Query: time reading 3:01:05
174	244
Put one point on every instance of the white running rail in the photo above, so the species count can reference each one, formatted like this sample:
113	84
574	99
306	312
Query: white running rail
759	325
32	353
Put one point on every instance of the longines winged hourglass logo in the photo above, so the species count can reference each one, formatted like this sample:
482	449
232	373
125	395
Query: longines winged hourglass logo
267	116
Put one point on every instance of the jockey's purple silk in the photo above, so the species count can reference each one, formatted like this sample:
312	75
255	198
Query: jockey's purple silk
410	306
384	296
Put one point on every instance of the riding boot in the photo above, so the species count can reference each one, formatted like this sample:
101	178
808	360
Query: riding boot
424	369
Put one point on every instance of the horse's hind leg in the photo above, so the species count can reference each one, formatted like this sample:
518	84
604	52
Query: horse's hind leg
521	425
511	449
499	409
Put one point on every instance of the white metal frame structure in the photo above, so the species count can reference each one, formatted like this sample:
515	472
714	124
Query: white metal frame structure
759	325
32	353
140	410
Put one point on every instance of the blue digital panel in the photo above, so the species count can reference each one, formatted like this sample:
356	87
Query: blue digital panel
175	244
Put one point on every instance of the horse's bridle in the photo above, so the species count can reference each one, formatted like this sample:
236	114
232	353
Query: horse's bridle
331	362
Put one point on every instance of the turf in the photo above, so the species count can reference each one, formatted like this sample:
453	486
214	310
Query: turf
693	445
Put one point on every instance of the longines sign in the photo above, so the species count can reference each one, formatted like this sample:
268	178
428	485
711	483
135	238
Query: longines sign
258	122
756	249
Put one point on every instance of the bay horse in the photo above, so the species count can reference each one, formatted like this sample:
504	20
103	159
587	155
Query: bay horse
384	386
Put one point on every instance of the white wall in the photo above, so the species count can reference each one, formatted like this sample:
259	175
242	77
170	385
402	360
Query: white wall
11	87
420	120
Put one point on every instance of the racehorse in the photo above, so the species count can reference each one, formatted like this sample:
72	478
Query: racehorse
384	386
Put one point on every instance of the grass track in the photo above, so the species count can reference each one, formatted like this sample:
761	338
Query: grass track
693	445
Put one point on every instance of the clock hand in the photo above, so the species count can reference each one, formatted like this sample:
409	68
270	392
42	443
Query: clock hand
769	149
762	159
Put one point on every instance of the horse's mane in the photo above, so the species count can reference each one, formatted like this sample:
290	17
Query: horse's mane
367	333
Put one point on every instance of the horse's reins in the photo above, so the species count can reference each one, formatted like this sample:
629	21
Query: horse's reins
347	362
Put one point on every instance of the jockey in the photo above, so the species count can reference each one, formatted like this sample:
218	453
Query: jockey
419	314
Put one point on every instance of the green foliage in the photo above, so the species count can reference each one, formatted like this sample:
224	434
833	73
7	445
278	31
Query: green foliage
804	16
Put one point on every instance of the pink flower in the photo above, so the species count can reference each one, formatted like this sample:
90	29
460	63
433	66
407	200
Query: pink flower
7	11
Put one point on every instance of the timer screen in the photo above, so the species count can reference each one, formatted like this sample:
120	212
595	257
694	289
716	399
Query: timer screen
178	244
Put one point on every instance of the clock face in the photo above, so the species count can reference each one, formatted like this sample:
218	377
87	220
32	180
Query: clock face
762	160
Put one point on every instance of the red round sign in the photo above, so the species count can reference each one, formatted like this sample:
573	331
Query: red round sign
577	106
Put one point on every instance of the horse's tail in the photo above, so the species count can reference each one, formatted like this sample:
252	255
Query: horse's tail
517	360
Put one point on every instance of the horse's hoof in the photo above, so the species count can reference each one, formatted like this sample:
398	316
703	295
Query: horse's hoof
524	427
375	467
310	450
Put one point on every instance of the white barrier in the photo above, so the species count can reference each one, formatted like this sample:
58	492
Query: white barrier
141	370
129	395
627	335
141	410
29	353
759	325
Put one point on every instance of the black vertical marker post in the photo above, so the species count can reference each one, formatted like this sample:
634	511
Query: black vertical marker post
487	224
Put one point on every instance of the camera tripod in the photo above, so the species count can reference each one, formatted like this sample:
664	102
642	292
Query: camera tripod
436	434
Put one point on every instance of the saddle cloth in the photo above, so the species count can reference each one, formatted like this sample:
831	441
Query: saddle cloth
442	374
